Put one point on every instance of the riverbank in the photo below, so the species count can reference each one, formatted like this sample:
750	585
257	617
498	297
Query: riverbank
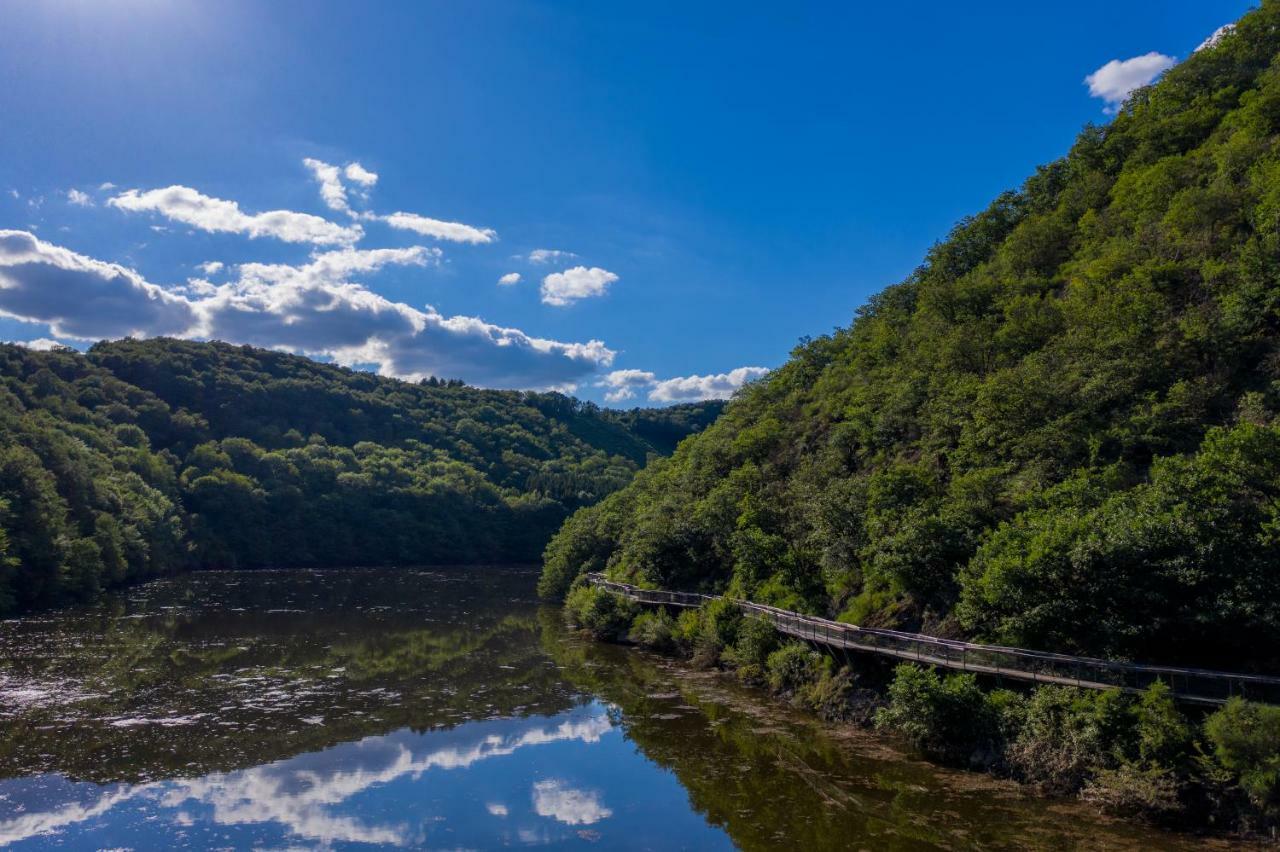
1141	758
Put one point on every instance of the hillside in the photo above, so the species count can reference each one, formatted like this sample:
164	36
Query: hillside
1059	432
145	457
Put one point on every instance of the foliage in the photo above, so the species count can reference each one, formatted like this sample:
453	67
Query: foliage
655	630
601	613
948	717
145	457
793	666
1060	430
1246	741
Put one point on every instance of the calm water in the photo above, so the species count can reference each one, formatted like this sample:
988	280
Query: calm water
439	709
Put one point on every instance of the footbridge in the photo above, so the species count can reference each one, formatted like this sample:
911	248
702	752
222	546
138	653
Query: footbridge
1198	686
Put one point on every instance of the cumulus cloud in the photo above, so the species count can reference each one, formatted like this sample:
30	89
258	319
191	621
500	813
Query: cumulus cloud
547	255
623	384
1114	81
452	231
186	205
82	298
698	388
303	796
314	309
509	279
41	344
211	267
78	198
565	288
361	175
106	186
553	798
1215	37
333	193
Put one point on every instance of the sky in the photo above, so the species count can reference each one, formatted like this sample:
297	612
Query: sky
639	204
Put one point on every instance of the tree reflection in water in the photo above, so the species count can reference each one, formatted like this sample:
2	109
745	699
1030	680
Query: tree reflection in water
412	708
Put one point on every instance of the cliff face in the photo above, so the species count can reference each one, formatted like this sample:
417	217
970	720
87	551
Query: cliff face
1059	432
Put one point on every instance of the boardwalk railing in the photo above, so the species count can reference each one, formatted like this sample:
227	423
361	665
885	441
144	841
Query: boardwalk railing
1201	686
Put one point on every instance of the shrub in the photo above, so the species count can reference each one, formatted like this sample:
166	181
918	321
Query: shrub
1163	735
1131	790
793	666
1246	741
948	718
654	630
1055	747
601	613
757	639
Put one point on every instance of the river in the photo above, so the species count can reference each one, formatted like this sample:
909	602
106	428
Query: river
442	709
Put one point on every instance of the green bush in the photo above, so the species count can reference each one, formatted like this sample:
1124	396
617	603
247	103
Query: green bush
757	639
1246	741
601	613
946	717
655	630
1131	790
1163	734
792	667
1058	744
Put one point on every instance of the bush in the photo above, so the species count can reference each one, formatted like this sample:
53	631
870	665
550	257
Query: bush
655	630
1134	791
1163	735
1059	745
792	667
948	718
757	639
601	613
1246	741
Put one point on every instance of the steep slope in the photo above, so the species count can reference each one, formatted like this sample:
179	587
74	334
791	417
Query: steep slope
1059	432
145	457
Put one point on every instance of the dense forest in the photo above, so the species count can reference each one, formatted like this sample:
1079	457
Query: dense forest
1061	431
140	458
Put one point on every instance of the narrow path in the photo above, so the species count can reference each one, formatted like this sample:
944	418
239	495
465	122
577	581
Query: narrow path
1200	686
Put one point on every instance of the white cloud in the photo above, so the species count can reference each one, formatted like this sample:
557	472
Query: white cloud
698	388
78	198
1114	81
82	298
509	279
106	186
548	255
41	344
186	205
623	384
314	309
301	795
552	798
565	288
332	191
440	230
14	193
1215	37
211	267
361	175
497	809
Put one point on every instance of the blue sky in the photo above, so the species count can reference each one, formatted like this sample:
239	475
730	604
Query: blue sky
722	179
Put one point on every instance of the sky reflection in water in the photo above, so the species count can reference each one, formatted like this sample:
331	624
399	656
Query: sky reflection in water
480	785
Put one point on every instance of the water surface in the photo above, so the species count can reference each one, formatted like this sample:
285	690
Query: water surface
440	709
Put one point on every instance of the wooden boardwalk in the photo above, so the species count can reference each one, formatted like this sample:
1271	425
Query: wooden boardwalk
1200	686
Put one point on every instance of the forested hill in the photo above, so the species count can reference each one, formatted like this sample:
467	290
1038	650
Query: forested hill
145	457
1059	432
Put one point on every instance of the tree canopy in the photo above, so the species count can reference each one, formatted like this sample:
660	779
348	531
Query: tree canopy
1060	431
146	457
